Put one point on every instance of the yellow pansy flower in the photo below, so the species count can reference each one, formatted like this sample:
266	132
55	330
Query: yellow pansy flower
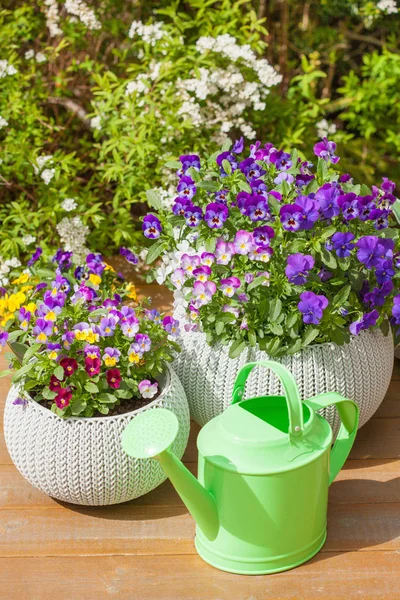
23	278
134	358
15	301
95	280
31	307
109	268
26	288
131	291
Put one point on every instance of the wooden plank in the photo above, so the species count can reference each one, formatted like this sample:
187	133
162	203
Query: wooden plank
379	438
390	407
396	370
361	482
131	529
328	576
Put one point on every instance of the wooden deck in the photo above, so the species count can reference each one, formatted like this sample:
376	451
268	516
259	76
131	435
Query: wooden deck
144	549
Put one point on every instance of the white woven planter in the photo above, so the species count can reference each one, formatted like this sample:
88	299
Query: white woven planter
360	370
80	460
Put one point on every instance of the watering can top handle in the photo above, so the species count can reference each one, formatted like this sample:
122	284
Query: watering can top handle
293	400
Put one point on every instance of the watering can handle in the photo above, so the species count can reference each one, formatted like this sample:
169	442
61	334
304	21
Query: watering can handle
349	413
293	400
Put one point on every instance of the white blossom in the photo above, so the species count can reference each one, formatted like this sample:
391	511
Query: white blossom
6	69
149	33
47	175
28	239
324	128
138	85
95	123
29	54
85	14
387	6
40	57
69	204
3	122
52	17
73	235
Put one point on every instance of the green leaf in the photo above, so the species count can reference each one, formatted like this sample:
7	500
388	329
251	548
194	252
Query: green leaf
291	319
208	185
252	338
275	309
5	373
210	244
396	210
19	349
107	398
328	258
256	282
296	347
237	348
123	393
78	406
341	296
226	146
322	170
226	165
14	335
32	350
310	334
48	394
30	384
219	327
173	164
91	387
365	190
385	327
326	233
153	199
195	175
275	328
18	375
244	187
154	251
273	346
59	373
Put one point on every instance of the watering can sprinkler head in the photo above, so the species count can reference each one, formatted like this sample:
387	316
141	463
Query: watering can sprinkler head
150	435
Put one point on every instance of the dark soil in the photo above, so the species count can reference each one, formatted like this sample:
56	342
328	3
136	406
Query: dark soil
126	406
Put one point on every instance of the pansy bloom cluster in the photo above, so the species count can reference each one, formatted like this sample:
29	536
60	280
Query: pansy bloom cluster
263	248
80	344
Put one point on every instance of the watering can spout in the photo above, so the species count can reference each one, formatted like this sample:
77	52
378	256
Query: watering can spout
150	435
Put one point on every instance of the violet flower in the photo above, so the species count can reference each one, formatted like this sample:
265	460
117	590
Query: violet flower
189	161
291	217
171	326
216	215
257	208
263	235
280	159
251	169
229	286
231	158
312	307
186	187
342	243
327	197
298	267
367	320
151	227
243	242
193	216
203	292
35	257
224	252
326	151
130	257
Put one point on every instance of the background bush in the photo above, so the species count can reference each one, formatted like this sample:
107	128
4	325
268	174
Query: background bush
78	152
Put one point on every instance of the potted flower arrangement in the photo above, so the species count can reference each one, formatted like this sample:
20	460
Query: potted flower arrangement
269	256
86	362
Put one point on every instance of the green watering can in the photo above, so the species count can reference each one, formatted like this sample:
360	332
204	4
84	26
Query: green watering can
265	465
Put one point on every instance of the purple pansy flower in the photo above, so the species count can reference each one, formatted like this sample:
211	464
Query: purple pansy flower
203	292
130	257
324	274
92	351
224	252
291	217
303	179
222	196
367	320
3	338
180	206
297	268
189	263
243	242
385	272
231	158
171	326
387	185
67	339
238	146
342	243
379	294
63	258
42	330
327	197
107	325
151	227
154	315
366	205
202	273
262	254
280	159
309	211
312	307
283	176
130	327
372	251
249	277
186	187
241	200
257	208
381	218
111	356
24	316
263	235
35	256
348	203
326	151
251	169
142	343
207	258
178	278
95	263
231	309
259	187
193	216
229	286
396	310
216	215
53	350
189	161
345	178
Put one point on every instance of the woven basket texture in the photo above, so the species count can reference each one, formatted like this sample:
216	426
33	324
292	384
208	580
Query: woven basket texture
360	370
80	460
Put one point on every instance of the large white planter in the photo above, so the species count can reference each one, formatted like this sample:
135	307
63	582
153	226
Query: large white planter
80	460
360	371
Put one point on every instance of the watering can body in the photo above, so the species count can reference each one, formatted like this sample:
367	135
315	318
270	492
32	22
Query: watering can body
265	465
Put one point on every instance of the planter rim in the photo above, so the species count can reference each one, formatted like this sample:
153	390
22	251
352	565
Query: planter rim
353	338
168	378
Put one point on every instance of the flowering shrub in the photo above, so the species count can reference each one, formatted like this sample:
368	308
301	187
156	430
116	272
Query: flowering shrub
77	344
264	249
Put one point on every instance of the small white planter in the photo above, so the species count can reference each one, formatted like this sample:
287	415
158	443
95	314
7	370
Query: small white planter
360	370
80	460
